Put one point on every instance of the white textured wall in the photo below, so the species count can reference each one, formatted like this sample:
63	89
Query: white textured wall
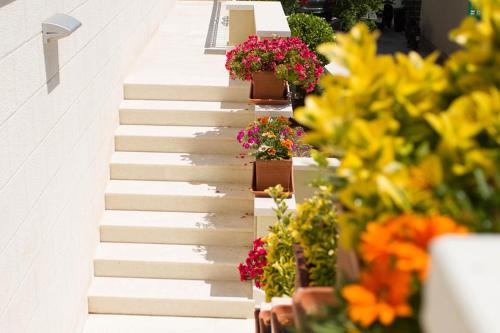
58	112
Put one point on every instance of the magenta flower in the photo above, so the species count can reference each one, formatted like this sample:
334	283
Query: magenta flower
240	136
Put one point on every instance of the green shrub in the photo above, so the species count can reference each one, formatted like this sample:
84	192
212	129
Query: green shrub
315	228
312	30
352	12
279	273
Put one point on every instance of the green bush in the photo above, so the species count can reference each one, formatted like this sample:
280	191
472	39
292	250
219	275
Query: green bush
279	273
312	30
352	12
315	228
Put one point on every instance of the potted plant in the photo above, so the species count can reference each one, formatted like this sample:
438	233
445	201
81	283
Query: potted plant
272	141
351	12
271	263
395	261
314	227
269	63
313	31
406	175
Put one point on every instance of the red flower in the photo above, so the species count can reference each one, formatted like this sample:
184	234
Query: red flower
253	268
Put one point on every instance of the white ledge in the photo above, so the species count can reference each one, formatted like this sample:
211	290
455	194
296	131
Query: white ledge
270	19
462	294
266	206
308	163
274	110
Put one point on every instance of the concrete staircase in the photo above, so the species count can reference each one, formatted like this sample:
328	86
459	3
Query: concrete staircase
178	217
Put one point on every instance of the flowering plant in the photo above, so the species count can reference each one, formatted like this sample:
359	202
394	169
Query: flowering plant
395	261
420	146
271	261
270	138
413	135
289	58
253	268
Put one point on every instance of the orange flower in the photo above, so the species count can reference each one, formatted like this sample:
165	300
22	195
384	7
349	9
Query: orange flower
270	135
382	295
405	239
272	151
263	120
282	120
436	226
393	253
287	143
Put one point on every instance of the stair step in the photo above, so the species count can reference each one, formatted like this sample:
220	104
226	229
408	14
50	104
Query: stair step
155	324
168	261
232	91
182	113
177	228
182	167
164	297
177	196
177	139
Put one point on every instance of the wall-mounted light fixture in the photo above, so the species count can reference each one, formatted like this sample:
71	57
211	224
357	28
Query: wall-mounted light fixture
59	26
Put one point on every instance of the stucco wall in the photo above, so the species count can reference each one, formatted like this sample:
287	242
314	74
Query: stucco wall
439	18
58	112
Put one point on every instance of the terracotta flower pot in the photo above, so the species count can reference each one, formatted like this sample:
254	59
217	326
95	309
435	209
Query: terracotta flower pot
301	269
265	85
273	172
256	314
281	318
311	301
265	321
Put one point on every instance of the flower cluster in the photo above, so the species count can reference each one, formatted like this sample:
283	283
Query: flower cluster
395	258
253	268
270	138
289	58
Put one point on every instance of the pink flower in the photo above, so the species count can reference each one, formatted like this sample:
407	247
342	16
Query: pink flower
240	136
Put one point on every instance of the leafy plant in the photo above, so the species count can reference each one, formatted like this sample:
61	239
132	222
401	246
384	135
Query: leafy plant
279	273
420	149
312	30
315	228
352	12
270	138
395	258
289	58
413	135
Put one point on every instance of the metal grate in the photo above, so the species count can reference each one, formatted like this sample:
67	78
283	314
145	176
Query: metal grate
218	29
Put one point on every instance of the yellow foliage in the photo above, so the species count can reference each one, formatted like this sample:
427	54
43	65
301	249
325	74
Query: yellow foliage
413	135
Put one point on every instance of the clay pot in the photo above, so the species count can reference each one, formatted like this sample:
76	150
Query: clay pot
281	318
301	268
265	85
256	313
273	172
265	321
311	301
